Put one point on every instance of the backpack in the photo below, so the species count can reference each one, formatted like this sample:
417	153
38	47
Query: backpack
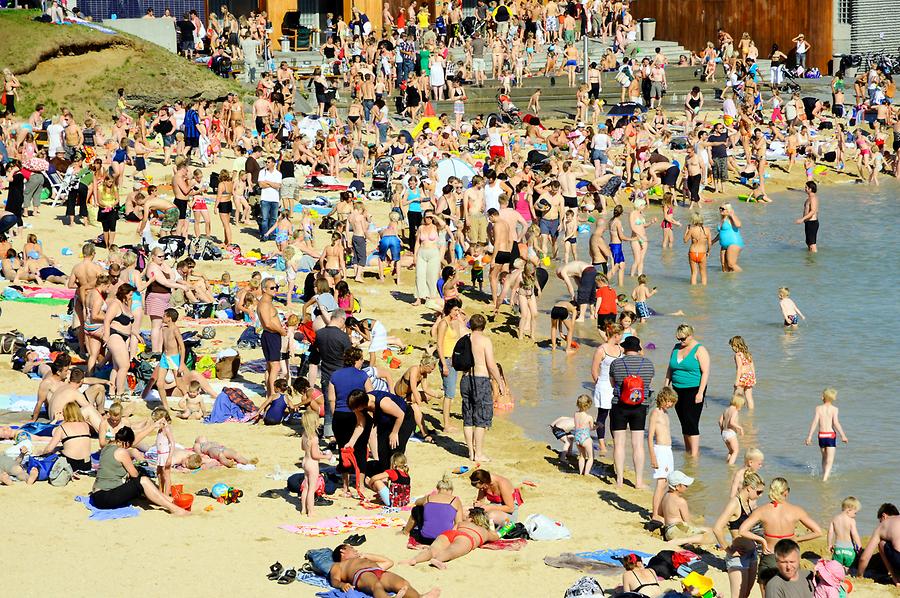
632	391
584	588
463	360
174	246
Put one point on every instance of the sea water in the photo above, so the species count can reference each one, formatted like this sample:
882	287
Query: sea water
850	341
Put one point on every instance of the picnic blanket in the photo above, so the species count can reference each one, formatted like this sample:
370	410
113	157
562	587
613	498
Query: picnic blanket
337	526
501	544
107	514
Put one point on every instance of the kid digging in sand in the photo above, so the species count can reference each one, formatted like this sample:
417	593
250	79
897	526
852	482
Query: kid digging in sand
843	537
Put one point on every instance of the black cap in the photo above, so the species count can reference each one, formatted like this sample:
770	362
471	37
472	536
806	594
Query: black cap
631	343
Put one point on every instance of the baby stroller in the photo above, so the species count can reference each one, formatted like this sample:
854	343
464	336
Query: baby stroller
509	113
790	83
382	173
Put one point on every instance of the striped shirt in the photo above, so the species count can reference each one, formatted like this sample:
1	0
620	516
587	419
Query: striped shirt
629	365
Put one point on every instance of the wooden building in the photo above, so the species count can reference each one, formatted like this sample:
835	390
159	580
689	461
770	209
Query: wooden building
692	23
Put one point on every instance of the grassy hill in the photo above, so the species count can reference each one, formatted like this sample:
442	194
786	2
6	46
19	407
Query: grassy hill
80	68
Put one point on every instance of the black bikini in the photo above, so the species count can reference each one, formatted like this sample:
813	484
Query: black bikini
643	585
77	464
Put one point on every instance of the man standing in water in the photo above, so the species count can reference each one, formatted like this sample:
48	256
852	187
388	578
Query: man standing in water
810	217
476	391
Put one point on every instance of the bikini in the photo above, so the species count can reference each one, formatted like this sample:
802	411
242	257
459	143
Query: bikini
467	533
77	464
373	570
642	585
123	320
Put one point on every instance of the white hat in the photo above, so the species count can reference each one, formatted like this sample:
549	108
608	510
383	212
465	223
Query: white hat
679	478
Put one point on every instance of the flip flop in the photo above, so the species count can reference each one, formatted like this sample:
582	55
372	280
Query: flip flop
275	570
207	493
355	540
289	577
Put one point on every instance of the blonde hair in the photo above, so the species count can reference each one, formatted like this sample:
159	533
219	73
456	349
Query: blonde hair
726	206
740	346
445	483
115	409
752	480
160	413
696	219
398	461
584	402
72	413
829	395
666	396
479	518
427	361
753	454
193	461
851	502
784	292
737	399
684	330
310	421
289	252
778	489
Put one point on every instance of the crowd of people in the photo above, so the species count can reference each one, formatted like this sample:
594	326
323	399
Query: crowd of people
530	192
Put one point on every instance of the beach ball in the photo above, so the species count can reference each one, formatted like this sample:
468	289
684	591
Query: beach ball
219	490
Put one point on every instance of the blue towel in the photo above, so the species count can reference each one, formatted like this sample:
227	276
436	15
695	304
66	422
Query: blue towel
333	593
612	556
223	410
107	514
313	579
37	428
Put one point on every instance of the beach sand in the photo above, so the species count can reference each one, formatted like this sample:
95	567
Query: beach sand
57	550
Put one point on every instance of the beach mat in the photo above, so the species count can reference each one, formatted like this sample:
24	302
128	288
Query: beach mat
514	544
54	292
568	560
36	300
335	593
210	322
107	514
613	556
337	526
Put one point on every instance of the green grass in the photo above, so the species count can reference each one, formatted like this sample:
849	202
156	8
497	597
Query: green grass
80	68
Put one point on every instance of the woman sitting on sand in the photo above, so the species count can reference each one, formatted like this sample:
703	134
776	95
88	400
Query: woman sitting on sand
638	579
779	520
496	496
74	436
434	514
474	531
118	483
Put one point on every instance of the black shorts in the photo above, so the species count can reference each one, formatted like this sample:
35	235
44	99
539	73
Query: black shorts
8	222
689	410
693	185
108	219
260	124
559	313
225	207
604	320
570	202
503	257
118	497
182	205
271	346
602	267
586	293
623	417
594	93
192	141
670	179
140	164
812	231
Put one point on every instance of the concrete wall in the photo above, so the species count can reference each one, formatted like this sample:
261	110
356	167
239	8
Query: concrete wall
875	26
158	31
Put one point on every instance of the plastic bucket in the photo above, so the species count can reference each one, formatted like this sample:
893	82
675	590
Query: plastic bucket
184	501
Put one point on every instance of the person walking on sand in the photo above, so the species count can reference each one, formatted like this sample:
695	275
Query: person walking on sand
810	218
630	376
826	420
272	332
475	389
779	520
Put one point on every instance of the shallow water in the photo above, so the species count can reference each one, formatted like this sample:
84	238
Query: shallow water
849	341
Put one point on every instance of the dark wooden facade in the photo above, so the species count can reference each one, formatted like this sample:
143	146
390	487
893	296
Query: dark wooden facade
692	23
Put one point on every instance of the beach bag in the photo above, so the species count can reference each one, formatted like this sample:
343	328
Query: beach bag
206	364
662	564
586	587
320	560
10	342
632	390
60	473
462	359
227	367
890	90
541	527
43	465
623	79
516	531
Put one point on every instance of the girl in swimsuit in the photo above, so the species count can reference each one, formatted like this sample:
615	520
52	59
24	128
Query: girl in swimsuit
584	423
741	554
332	260
639	243
700	240
94	308
224	205
636	577
745	371
668	221
469	534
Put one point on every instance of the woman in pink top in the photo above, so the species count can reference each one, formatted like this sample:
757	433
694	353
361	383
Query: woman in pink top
523	204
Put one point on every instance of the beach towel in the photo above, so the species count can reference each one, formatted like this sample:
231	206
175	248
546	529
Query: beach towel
35	300
37	428
334	593
107	514
337	526
226	410
200	322
568	560
612	556
17	402
254	366
54	292
313	579
502	544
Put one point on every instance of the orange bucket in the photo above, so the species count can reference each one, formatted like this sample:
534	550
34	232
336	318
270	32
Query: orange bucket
184	501
176	489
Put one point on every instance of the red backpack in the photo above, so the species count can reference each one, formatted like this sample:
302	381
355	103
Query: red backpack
632	390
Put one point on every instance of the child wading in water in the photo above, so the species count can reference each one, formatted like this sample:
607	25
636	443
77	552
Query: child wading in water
843	537
165	442
640	294
584	423
730	427
311	457
790	312
826	419
659	441
753	461
745	371
393	485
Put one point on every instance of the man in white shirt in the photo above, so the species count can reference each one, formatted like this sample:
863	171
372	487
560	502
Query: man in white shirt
269	196
55	137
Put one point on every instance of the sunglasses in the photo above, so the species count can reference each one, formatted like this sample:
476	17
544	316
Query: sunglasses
273	287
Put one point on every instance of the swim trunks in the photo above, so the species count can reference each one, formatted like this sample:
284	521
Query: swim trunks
549	227
665	461
477	401
271	346
676	531
503	257
811	228
373	570
827	439
617	255
844	553
642	310
559	313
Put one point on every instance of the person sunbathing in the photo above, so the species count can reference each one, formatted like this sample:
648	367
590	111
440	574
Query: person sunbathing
472	532
224	455
369	574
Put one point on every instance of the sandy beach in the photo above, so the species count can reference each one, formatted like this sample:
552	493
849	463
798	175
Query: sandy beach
228	548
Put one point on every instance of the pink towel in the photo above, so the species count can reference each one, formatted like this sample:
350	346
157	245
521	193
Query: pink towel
55	292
